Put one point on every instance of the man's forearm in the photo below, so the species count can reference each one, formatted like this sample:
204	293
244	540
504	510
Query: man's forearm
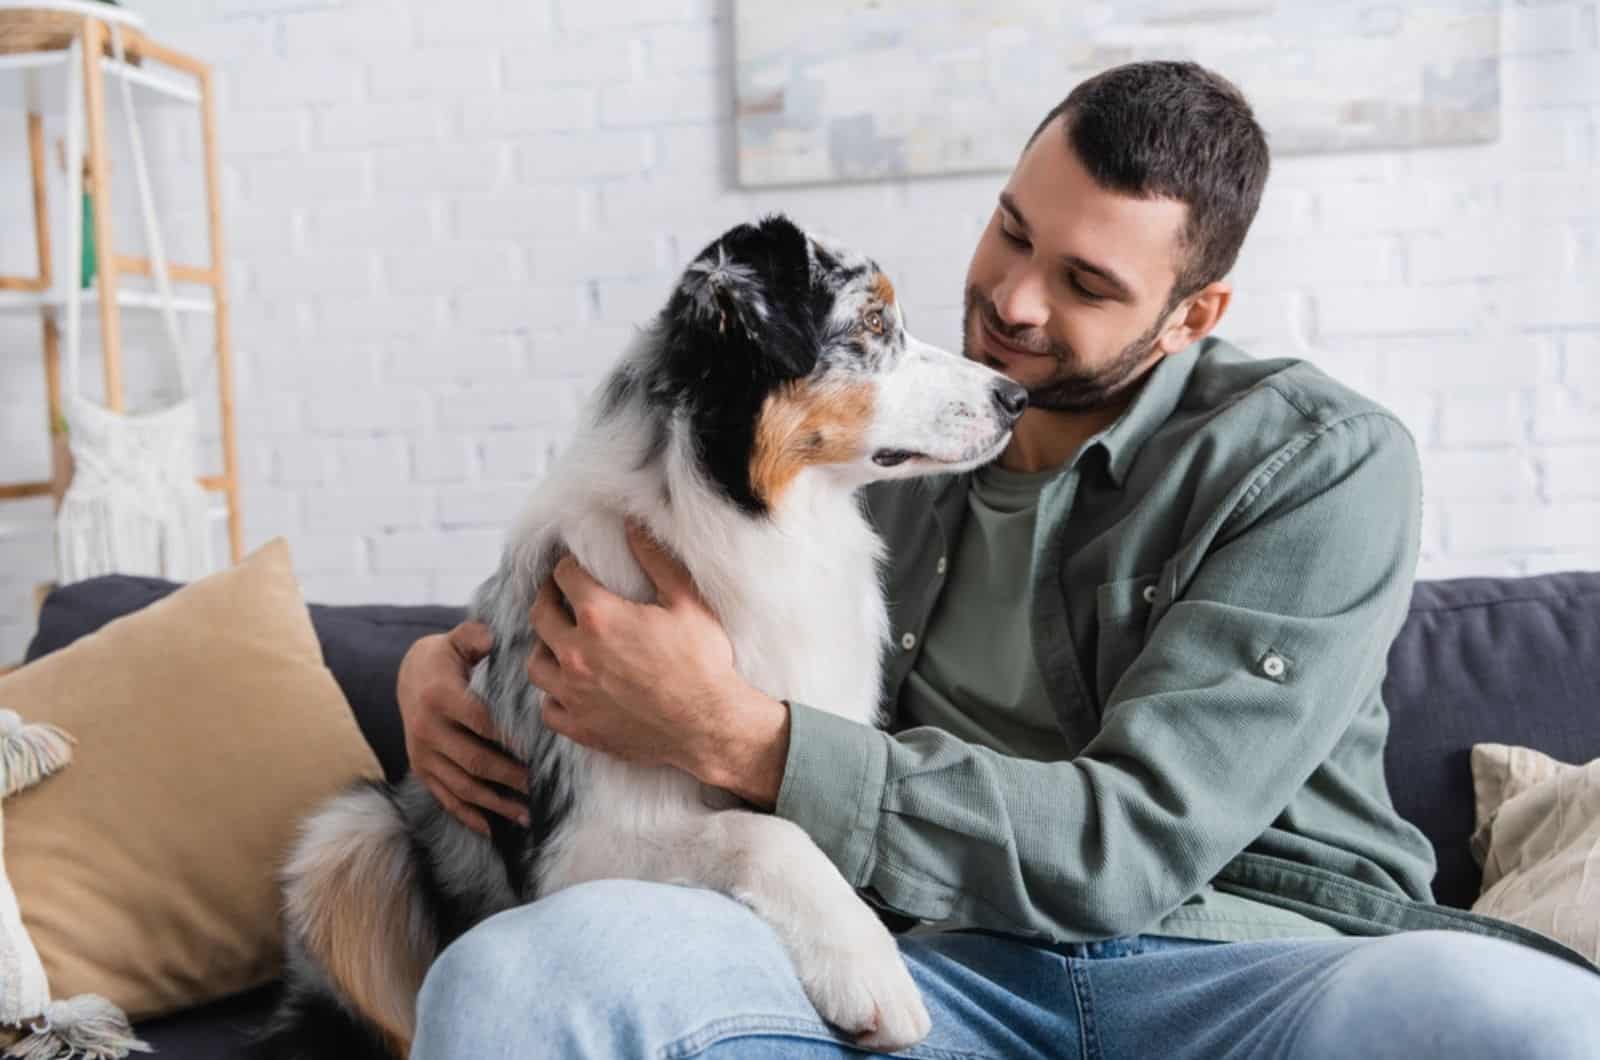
748	759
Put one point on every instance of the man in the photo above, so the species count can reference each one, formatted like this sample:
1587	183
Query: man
1136	771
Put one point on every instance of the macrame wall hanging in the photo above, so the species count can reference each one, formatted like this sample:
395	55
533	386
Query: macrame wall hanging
134	505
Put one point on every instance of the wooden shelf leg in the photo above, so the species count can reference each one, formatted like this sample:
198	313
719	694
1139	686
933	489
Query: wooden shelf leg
41	199
219	292
60	458
94	98
60	454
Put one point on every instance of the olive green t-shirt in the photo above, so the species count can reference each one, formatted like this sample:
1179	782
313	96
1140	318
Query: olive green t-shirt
976	676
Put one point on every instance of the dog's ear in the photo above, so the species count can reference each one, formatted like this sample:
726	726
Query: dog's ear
720	292
750	290
743	322
827	261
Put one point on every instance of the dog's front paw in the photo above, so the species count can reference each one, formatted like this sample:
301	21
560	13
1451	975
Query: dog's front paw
863	988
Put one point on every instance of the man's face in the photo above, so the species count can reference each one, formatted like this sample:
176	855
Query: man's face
1068	290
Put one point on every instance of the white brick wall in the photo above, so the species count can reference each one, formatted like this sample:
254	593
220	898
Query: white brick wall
444	219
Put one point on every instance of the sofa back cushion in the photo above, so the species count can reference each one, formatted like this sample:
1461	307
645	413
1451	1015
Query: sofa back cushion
1479	660
1487	660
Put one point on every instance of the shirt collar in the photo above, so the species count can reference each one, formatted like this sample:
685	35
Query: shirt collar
1153	405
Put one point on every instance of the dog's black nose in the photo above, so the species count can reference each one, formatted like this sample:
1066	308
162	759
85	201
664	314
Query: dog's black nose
1011	397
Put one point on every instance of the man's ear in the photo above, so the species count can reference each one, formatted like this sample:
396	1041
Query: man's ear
1199	315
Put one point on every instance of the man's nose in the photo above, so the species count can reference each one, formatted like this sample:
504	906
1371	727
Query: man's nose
1020	300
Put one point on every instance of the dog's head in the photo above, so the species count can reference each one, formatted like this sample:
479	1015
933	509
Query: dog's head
790	353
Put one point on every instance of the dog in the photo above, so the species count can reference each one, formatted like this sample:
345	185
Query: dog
737	429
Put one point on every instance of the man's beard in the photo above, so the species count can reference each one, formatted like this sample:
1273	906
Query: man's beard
1072	388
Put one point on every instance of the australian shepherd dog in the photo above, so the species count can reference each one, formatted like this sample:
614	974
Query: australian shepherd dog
737	428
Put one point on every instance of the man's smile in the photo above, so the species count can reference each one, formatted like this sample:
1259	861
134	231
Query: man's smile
1003	350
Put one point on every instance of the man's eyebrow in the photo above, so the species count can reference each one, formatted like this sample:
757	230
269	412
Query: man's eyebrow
1120	289
1010	205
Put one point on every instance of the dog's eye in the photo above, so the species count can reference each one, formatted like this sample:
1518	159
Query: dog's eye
874	322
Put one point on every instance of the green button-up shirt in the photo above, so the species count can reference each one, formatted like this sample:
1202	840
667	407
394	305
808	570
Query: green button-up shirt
1217	578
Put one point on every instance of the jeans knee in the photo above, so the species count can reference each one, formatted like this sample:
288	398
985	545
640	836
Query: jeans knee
462	984
595	969
575	935
1412	993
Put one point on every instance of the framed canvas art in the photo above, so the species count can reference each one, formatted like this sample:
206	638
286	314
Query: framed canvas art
838	90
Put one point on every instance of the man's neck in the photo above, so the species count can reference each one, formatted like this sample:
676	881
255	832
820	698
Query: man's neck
1045	439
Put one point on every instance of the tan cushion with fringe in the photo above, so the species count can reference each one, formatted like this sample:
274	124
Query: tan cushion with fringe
207	727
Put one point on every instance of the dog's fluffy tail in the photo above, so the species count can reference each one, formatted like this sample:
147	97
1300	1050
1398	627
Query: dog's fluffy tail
361	934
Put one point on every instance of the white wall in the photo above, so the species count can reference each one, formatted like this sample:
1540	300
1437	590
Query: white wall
444	217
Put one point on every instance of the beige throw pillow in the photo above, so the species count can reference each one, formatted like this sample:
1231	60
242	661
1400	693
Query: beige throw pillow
1538	840
207	726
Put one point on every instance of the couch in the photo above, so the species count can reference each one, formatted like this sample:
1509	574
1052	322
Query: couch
1507	660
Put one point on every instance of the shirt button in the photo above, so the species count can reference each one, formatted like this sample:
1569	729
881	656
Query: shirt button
908	641
1149	594
1273	665
943	565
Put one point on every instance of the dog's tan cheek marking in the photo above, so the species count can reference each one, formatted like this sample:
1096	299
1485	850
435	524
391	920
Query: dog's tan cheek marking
804	425
354	914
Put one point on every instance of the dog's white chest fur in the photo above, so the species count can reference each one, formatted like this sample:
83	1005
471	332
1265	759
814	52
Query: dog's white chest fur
811	629
796	592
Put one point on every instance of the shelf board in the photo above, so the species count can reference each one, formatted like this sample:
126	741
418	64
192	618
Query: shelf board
161	85
56	301
91	8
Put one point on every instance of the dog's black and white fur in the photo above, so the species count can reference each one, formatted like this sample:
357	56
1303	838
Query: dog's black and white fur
737	428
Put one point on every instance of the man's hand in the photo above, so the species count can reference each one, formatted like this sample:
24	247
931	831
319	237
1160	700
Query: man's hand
449	738
654	683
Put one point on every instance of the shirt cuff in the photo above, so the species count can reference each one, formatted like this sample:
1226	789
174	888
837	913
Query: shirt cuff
832	786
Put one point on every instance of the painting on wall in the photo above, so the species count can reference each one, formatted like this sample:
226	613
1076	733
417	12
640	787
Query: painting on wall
831	90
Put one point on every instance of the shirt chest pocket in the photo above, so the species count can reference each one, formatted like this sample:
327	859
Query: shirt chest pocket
1122	619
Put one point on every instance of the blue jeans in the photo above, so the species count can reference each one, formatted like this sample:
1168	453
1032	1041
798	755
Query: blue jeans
620	969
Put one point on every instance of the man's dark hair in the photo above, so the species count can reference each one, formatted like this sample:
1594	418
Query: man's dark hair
1174	130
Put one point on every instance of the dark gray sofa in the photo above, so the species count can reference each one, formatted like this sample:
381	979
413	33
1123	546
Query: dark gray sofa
1510	660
